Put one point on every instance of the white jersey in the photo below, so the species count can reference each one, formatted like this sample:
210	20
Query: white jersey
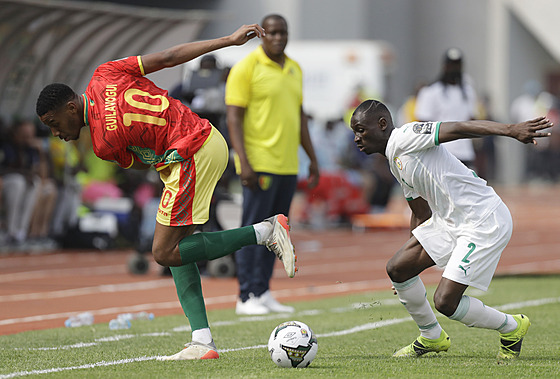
425	169
449	103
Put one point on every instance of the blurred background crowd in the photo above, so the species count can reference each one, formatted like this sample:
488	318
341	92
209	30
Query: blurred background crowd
56	194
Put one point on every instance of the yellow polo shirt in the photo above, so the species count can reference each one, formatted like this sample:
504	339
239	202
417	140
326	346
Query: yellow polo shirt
272	98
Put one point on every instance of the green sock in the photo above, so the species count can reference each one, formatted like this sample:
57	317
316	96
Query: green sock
189	291
212	245
198	247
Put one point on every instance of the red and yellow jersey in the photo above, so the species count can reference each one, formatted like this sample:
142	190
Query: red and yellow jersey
131	118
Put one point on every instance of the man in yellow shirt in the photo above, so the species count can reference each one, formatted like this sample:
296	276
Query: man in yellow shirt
266	124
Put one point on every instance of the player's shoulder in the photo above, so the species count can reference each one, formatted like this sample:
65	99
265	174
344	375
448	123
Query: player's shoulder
413	131
128	65
409	126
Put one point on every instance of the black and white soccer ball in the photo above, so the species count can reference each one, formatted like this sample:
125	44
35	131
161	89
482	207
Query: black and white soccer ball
292	344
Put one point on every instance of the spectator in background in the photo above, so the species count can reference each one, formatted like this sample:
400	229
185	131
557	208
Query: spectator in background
67	163
3	139
485	149
203	91
20	176
407	112
532	102
266	124
451	98
339	193
41	218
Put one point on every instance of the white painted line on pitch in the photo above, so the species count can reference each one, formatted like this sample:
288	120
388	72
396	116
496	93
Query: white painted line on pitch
369	326
529	303
241	348
356	329
105	311
187	328
86	366
103	288
226	299
135	286
97	341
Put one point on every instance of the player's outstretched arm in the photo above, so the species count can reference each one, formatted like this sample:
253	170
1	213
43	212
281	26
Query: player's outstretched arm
188	51
526	132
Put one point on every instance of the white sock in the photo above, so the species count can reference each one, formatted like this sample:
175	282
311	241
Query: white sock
473	313
412	294
262	231
202	335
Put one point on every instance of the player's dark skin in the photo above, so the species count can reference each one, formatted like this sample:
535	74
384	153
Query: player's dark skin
372	130
67	122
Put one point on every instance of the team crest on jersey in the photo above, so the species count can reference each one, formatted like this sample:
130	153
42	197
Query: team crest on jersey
423	128
265	181
398	162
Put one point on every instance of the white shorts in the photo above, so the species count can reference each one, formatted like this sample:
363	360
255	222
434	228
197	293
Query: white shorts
470	255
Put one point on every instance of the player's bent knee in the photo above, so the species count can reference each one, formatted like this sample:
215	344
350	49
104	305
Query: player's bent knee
396	273
163	256
445	304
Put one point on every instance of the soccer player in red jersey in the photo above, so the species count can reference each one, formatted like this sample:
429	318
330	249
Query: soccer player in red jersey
138	125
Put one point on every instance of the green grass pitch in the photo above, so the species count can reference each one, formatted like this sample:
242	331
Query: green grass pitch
357	335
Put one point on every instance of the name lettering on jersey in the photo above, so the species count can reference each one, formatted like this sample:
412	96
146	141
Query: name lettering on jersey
423	127
111	107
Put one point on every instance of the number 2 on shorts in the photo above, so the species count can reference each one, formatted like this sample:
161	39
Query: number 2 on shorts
471	246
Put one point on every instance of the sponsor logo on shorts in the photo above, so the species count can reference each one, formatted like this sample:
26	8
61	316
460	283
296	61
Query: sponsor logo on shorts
423	127
464	269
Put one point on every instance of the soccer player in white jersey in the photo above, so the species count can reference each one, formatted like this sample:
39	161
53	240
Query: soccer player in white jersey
458	223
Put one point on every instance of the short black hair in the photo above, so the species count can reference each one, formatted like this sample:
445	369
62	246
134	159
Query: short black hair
274	17
53	97
371	107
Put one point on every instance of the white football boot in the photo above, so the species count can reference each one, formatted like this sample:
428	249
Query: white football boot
280	243
194	350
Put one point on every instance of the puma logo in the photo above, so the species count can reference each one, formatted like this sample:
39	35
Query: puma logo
464	269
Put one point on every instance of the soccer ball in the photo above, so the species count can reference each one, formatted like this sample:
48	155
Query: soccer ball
292	344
